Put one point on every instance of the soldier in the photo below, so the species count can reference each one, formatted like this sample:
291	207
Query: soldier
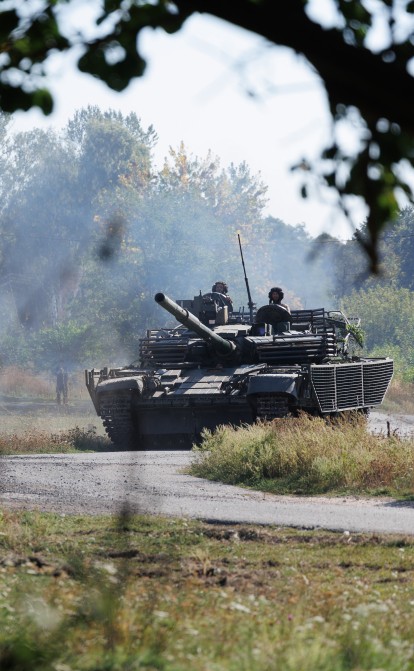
61	385
276	296
221	287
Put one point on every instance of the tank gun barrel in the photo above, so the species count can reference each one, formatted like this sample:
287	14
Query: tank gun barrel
220	345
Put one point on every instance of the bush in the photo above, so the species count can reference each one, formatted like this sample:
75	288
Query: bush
308	455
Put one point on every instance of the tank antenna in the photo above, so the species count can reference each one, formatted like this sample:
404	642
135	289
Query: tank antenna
249	297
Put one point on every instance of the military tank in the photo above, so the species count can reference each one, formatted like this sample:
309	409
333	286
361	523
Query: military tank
220	366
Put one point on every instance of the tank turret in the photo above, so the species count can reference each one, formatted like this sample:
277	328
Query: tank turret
220	345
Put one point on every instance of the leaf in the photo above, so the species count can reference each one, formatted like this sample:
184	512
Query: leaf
9	21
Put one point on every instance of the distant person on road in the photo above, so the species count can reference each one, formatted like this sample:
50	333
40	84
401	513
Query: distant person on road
61	385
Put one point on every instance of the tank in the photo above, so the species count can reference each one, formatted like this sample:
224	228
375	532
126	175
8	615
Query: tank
215	366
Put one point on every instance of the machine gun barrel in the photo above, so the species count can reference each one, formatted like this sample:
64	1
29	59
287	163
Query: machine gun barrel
220	345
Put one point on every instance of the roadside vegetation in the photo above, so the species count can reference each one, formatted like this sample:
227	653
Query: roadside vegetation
35	441
399	398
308	455
131	593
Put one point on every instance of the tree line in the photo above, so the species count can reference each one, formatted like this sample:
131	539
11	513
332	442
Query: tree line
91	228
361	52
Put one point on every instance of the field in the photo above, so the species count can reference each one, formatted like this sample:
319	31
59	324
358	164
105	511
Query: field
149	593
29	426
31	420
23	418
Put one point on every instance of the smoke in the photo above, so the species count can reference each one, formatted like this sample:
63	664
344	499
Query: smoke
89	235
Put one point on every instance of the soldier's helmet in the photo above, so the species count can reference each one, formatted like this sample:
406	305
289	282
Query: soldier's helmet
279	291
220	287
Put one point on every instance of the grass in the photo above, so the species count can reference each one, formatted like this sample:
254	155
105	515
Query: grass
308	455
32	422
16	381
44	442
149	593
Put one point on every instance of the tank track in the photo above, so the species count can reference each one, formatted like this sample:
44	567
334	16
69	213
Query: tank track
116	414
272	406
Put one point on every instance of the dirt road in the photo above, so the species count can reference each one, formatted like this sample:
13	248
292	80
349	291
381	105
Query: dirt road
154	483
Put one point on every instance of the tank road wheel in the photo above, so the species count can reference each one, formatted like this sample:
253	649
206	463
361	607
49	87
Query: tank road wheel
116	411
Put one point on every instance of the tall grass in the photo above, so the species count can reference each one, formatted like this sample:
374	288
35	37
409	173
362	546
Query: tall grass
308	455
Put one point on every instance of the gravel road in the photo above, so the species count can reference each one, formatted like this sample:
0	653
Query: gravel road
154	483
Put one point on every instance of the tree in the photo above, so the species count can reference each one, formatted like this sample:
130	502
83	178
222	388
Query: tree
36	216
90	231
350	270
181	231
50	192
399	243
388	322
371	88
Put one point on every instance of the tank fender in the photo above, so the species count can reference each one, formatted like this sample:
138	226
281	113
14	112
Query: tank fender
135	383
286	383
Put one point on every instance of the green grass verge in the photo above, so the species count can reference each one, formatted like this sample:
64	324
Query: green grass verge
89	594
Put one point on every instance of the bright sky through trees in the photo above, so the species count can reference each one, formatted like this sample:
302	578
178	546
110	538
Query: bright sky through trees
235	94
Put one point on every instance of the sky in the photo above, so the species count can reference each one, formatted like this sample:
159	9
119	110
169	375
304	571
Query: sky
218	88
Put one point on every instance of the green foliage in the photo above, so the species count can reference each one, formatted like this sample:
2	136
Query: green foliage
15	348
388	315
398	242
357	333
388	321
68	341
350	267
